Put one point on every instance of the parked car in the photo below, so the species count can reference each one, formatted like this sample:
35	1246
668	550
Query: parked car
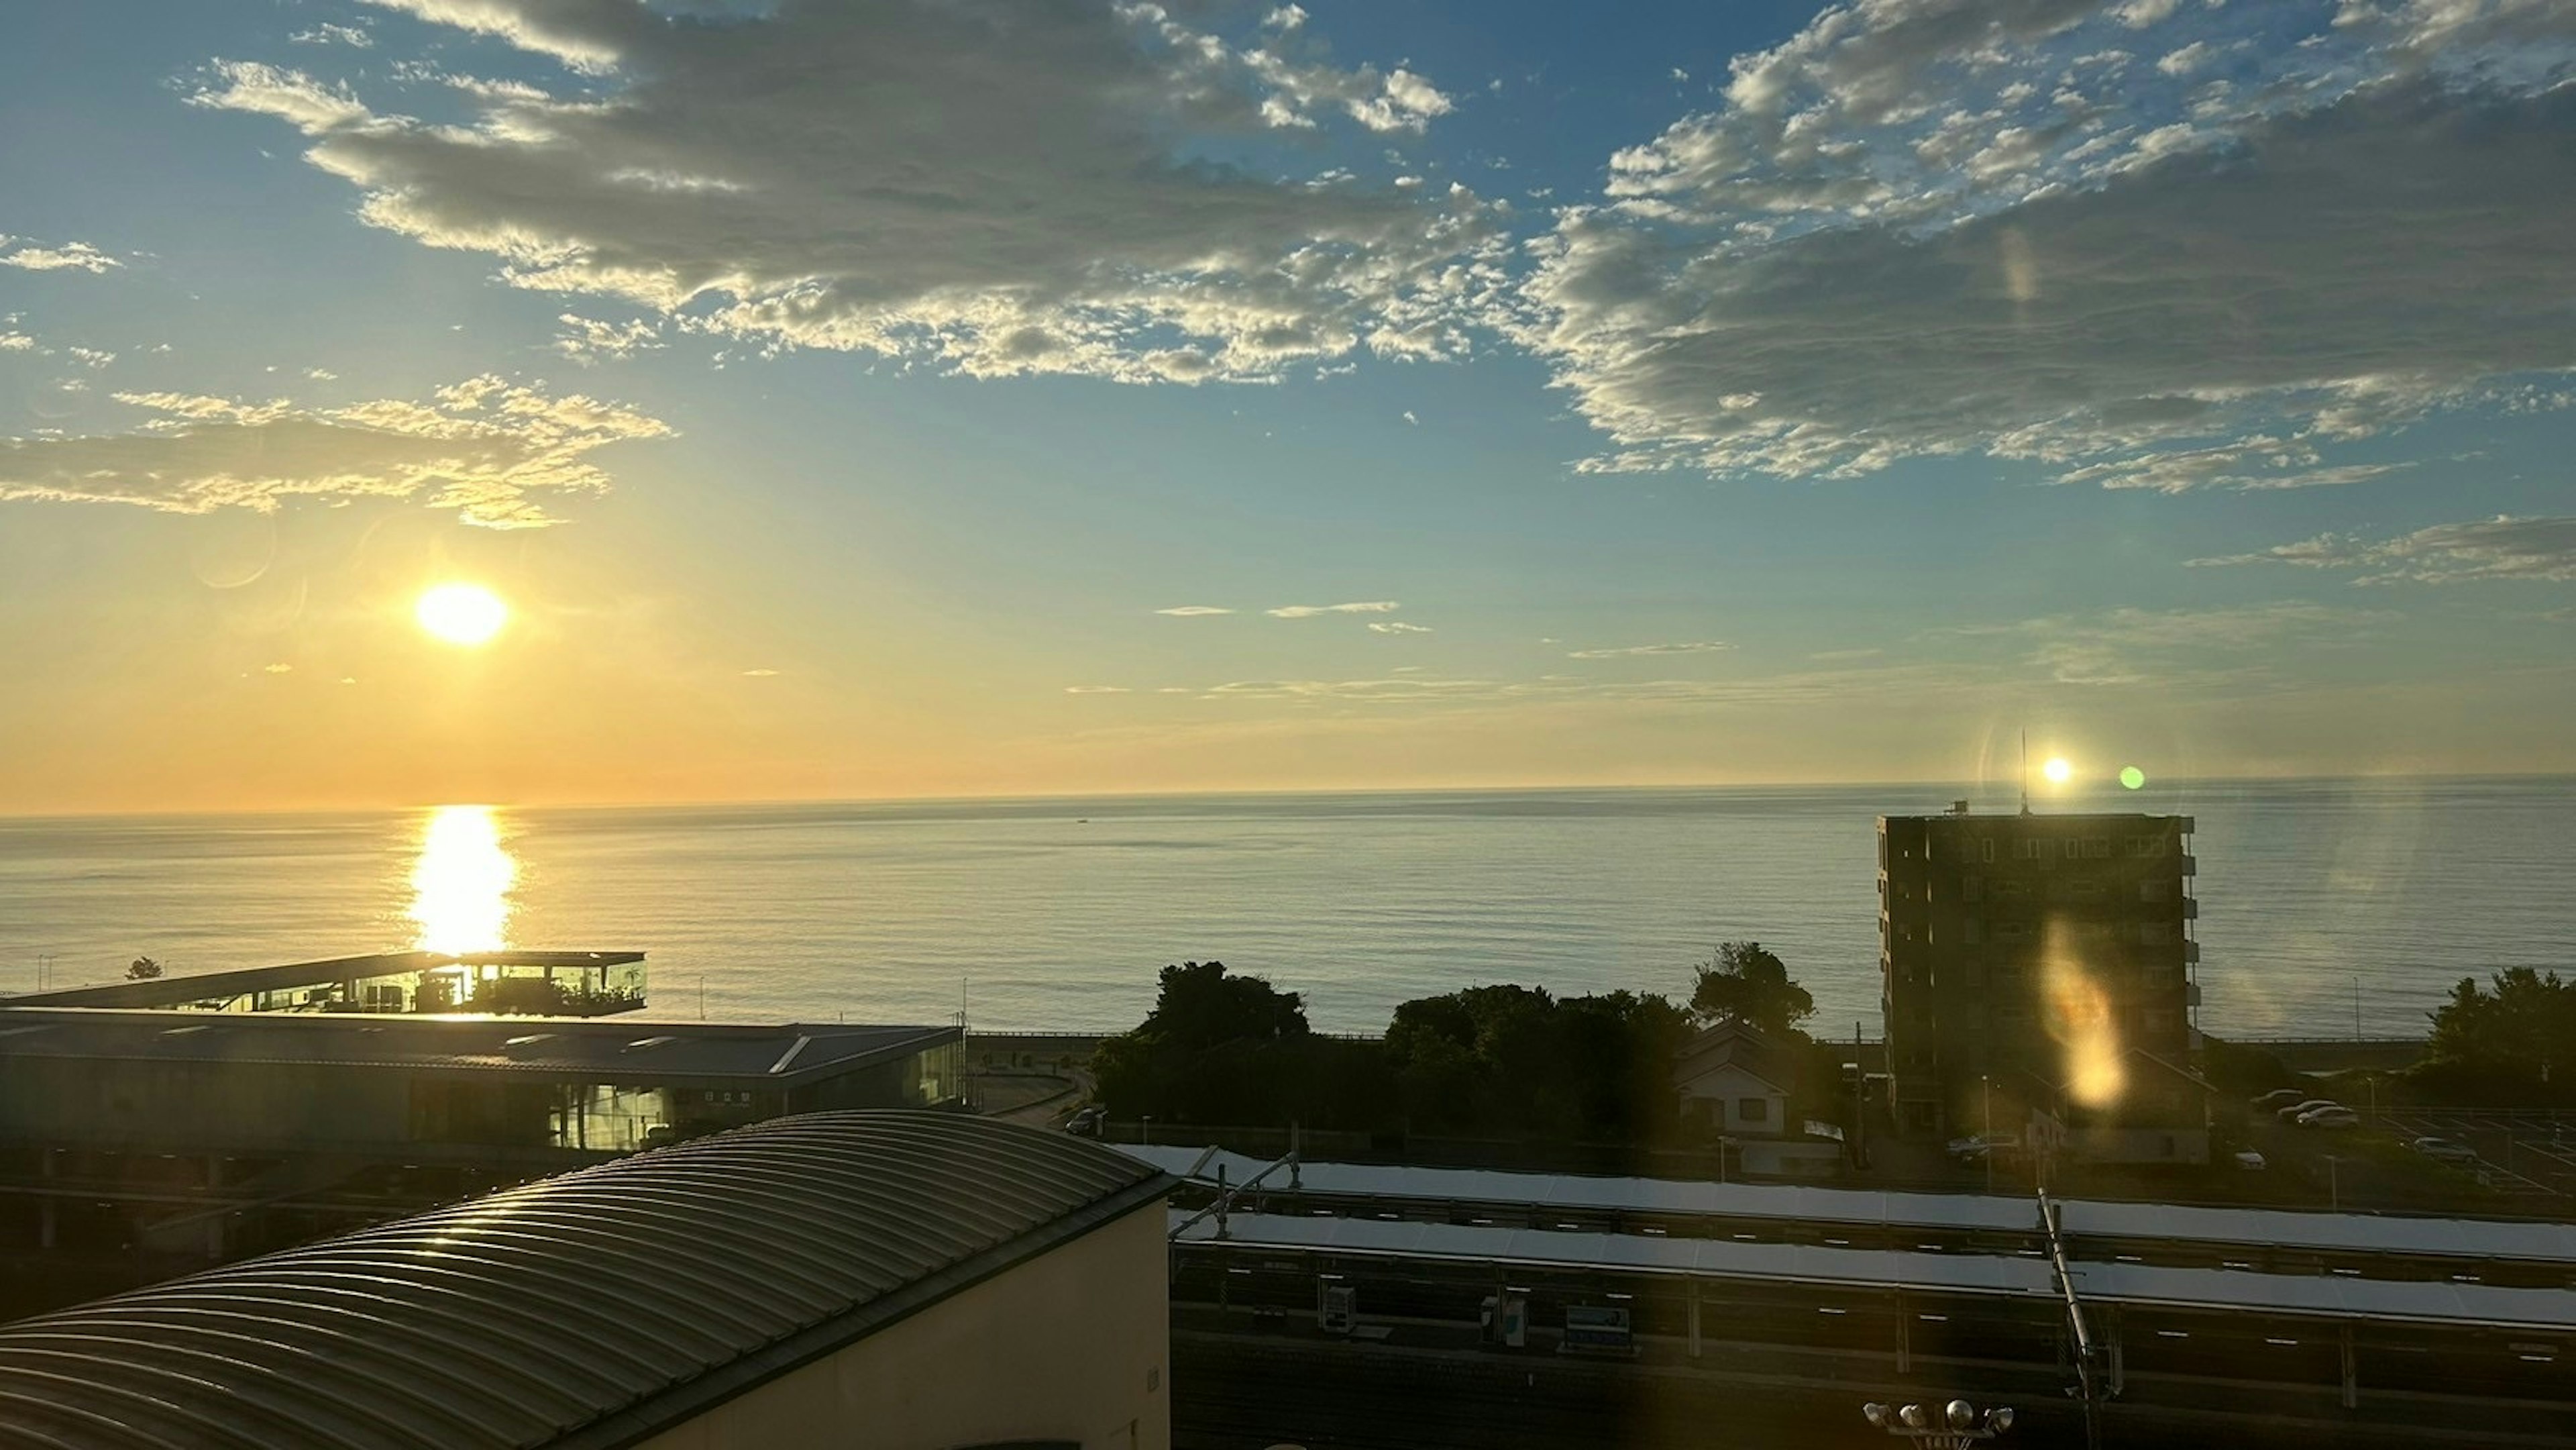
2332	1115
2250	1161
2447	1150
1975	1149
2296	1111
2277	1099
1084	1123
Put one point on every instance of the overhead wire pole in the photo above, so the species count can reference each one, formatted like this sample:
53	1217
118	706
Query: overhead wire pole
2086	1387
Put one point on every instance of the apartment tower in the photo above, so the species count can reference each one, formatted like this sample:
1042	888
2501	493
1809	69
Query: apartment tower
2033	951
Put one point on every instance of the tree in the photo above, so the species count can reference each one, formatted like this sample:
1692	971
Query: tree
1230	1050
2514	1044
1745	983
143	969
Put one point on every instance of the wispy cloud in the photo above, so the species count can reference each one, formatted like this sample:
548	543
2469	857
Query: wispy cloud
68	257
1832	655
486	448
1396	626
1626	651
588	340
1309	611
2503	547
1194	611
760	674
1095	689
2175	646
330	34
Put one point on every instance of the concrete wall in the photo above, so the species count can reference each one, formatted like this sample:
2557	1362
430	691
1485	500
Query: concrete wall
1072	1347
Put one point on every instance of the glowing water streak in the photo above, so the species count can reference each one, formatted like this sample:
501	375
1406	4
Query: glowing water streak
461	883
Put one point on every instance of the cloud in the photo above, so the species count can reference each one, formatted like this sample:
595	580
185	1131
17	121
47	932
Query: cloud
20	342
278	669
2172	647
1095	689
1832	655
1692	647
484	448
91	357
70	256
329	34
1309	611
1396	626
983	186
1941	227
760	674
2503	547
2274	463
1194	611
1409	418
588	340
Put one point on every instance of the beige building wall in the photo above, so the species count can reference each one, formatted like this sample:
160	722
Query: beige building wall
1072	1346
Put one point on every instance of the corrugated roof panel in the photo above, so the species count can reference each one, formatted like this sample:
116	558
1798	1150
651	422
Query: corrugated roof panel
517	1319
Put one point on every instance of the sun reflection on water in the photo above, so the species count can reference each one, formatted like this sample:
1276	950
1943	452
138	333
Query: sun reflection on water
461	884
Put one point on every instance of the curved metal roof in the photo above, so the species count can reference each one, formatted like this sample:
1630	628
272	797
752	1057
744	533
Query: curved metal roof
586	1309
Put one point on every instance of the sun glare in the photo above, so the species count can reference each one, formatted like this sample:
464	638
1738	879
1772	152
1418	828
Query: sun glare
461	881
2057	770
461	614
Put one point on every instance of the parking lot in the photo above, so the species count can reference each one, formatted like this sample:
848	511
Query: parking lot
2518	1152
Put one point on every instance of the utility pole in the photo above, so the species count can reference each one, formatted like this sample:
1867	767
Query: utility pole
2356	1009
1989	1130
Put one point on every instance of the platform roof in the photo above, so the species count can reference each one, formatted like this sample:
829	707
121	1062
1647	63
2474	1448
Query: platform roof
2355	1233
597	1308
1985	1275
587	1049
241	981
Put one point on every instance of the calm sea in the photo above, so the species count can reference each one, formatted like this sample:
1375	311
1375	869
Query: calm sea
1056	913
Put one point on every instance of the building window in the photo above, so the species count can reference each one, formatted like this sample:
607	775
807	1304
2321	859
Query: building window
1972	888
1974	927
1986	848
2146	845
1752	1110
2029	850
2155	933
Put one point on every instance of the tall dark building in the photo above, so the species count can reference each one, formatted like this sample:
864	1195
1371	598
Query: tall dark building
2050	953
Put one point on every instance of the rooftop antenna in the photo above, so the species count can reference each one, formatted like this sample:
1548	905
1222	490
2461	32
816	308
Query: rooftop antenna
2025	770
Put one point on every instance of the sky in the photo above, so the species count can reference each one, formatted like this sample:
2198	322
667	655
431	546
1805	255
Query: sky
1006	397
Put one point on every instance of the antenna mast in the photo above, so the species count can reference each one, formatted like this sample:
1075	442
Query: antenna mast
2025	770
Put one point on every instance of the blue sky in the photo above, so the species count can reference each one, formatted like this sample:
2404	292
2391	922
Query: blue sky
840	396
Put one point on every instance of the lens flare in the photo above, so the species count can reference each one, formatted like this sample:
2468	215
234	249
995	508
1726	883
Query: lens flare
2132	777
461	883
461	614
2057	770
2080	1018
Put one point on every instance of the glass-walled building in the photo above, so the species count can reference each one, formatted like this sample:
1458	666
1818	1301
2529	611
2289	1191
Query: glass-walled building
525	983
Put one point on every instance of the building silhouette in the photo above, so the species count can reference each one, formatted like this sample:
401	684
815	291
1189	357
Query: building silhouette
2043	964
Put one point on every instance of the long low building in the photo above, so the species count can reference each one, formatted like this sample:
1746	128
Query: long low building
136	1144
875	1279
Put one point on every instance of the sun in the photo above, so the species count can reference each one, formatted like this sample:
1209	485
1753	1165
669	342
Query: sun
461	614
2057	770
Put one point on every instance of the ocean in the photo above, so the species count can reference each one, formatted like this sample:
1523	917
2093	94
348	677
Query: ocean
2316	896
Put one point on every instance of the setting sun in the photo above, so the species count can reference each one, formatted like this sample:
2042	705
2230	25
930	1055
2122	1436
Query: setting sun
461	614
2057	770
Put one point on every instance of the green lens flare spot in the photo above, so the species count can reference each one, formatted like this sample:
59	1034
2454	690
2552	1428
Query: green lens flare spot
2132	777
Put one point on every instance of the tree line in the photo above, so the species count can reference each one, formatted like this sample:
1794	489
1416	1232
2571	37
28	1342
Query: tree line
1224	1049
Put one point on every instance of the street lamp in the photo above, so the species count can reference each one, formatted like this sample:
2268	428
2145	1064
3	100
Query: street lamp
1953	1426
